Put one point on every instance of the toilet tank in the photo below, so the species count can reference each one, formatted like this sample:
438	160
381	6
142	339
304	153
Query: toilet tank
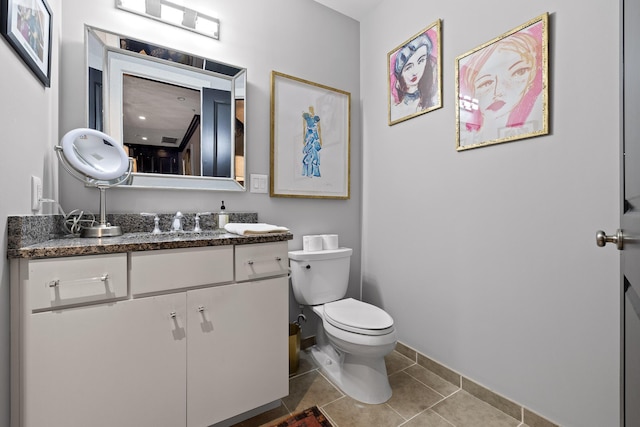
321	276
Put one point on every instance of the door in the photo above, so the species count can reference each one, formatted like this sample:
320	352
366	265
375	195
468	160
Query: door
216	133
630	221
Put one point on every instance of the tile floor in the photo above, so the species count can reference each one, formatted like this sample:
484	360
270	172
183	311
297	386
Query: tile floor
420	399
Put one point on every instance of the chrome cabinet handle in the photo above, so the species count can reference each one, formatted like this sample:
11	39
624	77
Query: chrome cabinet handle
602	239
250	262
201	309
57	282
173	315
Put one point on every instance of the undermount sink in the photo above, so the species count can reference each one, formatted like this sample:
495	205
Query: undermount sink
174	235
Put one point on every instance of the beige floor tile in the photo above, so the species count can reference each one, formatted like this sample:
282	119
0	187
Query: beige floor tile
410	397
305	364
432	380
428	419
396	362
347	412
464	410
309	389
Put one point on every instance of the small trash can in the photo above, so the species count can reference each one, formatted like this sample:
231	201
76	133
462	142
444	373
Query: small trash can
294	347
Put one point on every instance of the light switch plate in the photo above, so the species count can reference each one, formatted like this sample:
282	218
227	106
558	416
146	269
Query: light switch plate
259	183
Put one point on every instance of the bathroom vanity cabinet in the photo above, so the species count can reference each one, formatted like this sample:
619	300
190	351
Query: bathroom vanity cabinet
173	337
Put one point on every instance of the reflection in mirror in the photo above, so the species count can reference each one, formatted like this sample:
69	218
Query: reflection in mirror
165	139
180	117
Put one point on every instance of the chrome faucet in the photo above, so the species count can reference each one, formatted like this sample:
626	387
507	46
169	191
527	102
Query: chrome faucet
197	228
176	224
156	222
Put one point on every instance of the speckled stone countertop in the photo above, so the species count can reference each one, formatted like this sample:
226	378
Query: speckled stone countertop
44	236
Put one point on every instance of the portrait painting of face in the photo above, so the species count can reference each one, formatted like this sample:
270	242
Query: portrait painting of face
502	88
414	75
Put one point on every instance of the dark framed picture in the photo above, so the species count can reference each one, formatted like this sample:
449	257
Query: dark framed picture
26	24
414	75
502	88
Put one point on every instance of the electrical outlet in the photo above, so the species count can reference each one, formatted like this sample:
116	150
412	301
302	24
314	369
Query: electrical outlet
36	193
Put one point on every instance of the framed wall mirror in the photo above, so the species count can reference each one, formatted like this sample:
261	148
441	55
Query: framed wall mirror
180	117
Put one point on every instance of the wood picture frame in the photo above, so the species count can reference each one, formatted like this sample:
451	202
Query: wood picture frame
502	88
414	75
310	139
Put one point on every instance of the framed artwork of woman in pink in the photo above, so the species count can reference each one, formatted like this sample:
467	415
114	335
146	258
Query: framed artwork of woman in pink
502	88
414	75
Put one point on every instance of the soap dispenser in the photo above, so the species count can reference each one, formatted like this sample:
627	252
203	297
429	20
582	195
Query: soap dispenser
223	216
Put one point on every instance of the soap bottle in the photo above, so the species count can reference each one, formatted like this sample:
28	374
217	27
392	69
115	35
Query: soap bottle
223	217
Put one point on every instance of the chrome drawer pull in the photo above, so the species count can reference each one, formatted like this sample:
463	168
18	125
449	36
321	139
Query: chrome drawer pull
250	262
173	315
57	282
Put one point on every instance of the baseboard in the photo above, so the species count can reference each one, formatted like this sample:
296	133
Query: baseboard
509	407
307	342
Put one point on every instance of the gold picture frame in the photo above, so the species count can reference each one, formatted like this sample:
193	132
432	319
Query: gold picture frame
414	75
502	87
310	139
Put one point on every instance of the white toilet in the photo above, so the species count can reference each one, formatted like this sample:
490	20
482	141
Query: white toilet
353	337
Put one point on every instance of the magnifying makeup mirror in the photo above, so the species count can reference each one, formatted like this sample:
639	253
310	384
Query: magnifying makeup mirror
96	159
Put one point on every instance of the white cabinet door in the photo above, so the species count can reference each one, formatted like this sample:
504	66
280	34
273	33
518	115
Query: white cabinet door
237	349
120	364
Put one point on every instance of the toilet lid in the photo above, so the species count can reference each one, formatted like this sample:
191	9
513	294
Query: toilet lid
357	316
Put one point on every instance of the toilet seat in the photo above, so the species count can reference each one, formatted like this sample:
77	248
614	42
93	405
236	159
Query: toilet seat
359	317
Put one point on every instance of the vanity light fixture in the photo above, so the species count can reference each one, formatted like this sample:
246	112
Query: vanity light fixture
173	13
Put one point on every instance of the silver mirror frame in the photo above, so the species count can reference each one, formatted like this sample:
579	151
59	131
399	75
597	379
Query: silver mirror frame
167	181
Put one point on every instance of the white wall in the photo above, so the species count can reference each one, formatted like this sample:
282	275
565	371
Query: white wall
261	36
489	264
29	123
295	37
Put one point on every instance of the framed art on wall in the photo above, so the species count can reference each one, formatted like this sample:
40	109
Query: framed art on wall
26	24
310	139
414	75
502	88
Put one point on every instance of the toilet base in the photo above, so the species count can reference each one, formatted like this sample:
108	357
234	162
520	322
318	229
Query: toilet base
361	378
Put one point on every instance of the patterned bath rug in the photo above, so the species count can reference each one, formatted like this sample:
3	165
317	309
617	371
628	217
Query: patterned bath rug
311	417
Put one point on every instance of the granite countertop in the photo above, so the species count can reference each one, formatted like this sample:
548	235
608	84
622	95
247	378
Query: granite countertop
33	237
133	242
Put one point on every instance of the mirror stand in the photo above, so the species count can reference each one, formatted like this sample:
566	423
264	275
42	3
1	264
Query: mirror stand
103	229
97	160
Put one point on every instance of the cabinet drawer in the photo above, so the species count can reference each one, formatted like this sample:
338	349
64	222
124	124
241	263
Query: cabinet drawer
57	282
260	260
170	269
